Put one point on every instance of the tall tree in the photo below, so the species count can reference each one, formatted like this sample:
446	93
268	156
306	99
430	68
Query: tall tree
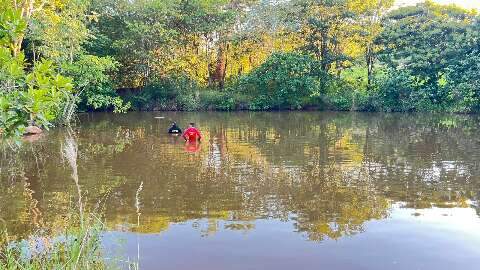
59	34
421	41
323	26
369	15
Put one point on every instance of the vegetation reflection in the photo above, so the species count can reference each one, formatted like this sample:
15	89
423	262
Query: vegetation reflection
327	173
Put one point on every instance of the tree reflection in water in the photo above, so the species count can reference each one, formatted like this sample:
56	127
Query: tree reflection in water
328	173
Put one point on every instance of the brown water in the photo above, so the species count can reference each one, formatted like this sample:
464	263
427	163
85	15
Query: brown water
288	190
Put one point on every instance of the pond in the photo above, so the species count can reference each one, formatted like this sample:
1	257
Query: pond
263	190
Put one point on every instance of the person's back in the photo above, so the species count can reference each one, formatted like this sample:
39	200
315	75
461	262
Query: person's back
192	133
174	129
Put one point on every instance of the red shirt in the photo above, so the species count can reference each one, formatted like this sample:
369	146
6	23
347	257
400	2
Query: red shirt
192	134
192	147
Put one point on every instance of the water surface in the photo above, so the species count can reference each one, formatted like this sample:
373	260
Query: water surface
279	190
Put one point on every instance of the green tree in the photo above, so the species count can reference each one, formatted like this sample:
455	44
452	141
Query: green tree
463	72
94	83
369	15
35	95
284	81
320	23
420	42
58	34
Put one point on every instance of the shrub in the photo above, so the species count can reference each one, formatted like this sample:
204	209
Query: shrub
217	100
284	81
94	84
398	91
169	93
39	97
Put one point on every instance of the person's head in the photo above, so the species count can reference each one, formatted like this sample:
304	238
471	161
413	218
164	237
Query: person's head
174	123
192	124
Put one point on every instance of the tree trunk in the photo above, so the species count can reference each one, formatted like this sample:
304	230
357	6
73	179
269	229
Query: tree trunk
221	65
369	59
324	51
27	8
17	46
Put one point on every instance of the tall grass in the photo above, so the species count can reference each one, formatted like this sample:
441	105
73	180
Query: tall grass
78	247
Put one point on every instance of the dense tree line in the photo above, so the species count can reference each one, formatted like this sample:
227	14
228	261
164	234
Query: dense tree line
57	57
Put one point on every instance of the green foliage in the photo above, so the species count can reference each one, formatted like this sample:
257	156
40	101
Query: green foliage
218	55
464	83
12	26
40	100
349	91
169	93
47	93
364	55
11	70
37	95
218	100
92	78
58	35
320	23
421	48
462	76
396	92
339	95
284	81
12	114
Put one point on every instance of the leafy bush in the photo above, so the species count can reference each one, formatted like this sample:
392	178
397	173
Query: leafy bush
39	97
169	93
13	117
91	75
217	100
463	82
399	91
338	95
284	81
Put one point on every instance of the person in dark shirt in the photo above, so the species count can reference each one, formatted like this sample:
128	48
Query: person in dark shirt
174	129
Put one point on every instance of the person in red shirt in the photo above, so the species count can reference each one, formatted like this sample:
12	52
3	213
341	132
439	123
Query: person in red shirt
192	147
192	134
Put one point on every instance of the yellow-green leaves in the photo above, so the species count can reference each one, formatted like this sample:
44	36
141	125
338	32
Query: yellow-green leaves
12	25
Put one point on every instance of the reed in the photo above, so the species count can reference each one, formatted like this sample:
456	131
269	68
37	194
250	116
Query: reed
78	247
